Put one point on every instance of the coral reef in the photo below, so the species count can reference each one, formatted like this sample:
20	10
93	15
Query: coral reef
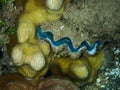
80	70
88	20
33	56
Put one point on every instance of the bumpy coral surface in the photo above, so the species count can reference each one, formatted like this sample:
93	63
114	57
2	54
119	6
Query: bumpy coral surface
80	70
30	55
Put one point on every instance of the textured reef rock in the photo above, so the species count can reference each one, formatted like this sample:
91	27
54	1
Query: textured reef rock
14	82
18	82
56	84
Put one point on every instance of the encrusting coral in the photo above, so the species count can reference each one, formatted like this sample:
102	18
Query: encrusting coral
83	69
29	50
33	57
35	13
30	58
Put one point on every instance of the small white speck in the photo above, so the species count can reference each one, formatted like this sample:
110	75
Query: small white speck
117	63
116	71
117	51
102	86
28	78
106	73
11	63
107	69
61	27
98	80
106	78
112	73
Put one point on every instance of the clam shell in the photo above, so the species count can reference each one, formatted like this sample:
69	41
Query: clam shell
54	4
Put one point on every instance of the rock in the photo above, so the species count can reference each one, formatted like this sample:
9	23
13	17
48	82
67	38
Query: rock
16	81
56	84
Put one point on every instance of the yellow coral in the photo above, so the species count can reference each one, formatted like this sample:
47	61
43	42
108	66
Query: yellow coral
84	69
27	53
35	13
30	55
96	62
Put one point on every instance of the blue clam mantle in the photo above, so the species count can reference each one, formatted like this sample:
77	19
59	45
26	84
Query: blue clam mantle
66	40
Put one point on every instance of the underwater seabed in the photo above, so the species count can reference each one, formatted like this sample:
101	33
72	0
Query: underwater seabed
82	20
